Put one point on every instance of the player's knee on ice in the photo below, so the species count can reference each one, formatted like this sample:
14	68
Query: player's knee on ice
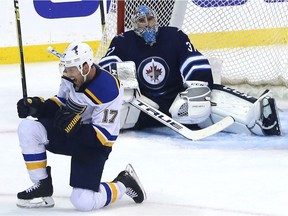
83	200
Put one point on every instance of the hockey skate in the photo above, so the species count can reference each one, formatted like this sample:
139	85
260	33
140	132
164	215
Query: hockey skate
269	117
134	189
39	195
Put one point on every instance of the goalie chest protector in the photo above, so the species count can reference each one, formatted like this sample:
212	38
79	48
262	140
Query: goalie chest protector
160	68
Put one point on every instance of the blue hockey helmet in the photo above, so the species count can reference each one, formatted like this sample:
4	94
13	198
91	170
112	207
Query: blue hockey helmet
144	22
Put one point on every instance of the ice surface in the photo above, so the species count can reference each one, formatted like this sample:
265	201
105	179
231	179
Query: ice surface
223	175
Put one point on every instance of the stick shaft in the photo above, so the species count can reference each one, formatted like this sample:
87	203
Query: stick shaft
20	45
102	13
54	52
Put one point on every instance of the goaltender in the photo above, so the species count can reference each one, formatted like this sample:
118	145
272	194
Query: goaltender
174	77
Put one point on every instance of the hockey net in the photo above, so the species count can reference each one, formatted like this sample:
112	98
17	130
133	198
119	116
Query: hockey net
247	40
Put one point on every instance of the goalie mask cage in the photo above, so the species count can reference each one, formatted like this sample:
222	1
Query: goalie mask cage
247	40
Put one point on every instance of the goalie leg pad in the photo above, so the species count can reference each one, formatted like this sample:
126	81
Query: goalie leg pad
126	73
269	120
129	114
247	111
228	102
263	116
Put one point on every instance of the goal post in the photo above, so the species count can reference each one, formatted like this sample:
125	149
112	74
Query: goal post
246	39
178	15
120	17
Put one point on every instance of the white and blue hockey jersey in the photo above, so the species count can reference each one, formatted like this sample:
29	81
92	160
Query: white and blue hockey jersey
98	102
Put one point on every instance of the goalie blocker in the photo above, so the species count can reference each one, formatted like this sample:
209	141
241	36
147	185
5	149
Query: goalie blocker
199	105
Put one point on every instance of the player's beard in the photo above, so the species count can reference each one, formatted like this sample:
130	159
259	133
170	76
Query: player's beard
78	83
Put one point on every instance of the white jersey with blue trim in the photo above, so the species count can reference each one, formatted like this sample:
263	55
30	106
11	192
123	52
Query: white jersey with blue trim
98	102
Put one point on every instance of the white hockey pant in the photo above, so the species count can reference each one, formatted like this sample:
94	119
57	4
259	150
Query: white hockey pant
32	139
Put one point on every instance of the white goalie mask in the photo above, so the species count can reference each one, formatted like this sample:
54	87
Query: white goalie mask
144	22
75	55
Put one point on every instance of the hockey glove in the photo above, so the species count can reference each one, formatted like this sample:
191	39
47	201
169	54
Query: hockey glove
67	121
29	106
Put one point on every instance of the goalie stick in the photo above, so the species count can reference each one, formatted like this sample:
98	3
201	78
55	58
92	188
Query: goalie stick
168	121
178	127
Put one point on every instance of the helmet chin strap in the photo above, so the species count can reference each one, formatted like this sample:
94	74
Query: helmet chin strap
85	75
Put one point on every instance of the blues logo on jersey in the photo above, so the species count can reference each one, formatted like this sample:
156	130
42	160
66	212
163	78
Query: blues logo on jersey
76	107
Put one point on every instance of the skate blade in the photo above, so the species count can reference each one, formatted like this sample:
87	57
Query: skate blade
132	172
41	202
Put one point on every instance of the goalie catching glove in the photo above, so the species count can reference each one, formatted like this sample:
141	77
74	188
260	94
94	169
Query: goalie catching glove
193	105
30	106
67	121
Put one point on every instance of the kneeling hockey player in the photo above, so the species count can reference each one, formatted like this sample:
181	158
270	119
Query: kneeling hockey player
83	122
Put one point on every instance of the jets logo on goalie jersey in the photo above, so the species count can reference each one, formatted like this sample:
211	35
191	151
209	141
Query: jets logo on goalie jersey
153	72
161	68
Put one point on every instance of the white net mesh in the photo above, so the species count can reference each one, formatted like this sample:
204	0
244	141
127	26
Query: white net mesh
255	34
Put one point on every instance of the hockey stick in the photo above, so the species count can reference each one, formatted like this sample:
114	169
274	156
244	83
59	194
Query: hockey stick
54	52
171	123
102	14
178	127
19	37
